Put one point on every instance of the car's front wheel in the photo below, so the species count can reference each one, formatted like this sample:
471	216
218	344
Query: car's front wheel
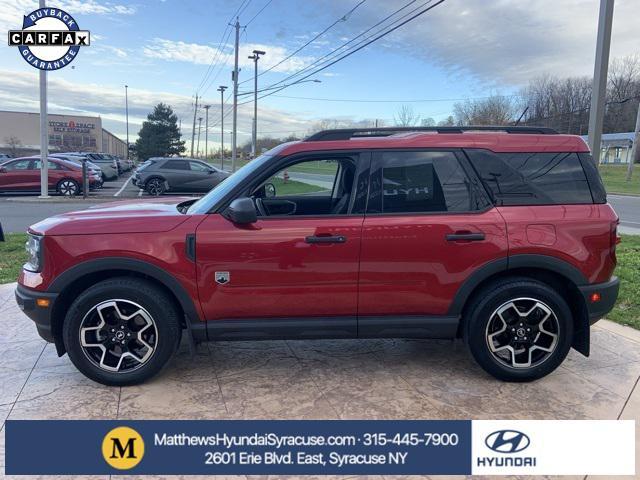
519	329
121	331
155	186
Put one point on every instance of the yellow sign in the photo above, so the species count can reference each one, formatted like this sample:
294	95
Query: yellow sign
123	448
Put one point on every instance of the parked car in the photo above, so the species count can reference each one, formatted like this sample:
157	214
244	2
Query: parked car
92	168
4	156
159	175
500	236
22	175
108	165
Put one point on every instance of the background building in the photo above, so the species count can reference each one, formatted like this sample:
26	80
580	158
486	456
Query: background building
615	147
20	134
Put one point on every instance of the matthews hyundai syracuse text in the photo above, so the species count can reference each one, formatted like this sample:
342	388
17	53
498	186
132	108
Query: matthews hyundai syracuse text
501	236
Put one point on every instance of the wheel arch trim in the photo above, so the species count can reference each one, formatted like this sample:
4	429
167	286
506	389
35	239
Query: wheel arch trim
135	266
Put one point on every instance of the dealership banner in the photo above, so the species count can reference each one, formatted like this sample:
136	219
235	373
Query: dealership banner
317	447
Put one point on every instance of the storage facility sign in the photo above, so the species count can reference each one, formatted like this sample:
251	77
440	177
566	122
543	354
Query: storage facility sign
50	38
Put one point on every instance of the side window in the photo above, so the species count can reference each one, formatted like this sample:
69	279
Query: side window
533	178
315	177
425	181
18	165
176	165
50	165
198	167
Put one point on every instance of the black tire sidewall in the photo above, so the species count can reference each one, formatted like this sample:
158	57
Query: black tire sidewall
489	301
153	300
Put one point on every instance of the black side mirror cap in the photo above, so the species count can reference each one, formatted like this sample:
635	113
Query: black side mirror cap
242	211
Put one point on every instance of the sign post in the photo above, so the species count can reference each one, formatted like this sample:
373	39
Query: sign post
44	133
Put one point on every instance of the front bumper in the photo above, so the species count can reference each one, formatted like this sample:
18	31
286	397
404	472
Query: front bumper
27	301
608	292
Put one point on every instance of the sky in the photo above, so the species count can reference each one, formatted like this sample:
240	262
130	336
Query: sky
167	51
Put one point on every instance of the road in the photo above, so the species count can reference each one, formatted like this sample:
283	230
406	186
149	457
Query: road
17	213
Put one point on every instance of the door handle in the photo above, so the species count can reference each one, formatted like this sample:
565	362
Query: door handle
326	239
464	237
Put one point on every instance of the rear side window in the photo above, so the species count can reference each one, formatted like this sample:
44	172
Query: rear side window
532	178
421	181
176	165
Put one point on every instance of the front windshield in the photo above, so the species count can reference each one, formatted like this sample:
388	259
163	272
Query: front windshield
206	203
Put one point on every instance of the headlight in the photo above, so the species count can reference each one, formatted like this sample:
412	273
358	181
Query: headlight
34	252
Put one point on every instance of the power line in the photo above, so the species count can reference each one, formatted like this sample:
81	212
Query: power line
354	50
358	100
336	50
343	18
259	12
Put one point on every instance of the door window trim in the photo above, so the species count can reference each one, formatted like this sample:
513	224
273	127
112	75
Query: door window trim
376	163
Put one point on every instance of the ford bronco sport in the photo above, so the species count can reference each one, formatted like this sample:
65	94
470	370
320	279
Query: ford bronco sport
501	236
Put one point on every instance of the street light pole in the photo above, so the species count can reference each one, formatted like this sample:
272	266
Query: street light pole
206	130
234	133
126	109
254	134
221	89
198	145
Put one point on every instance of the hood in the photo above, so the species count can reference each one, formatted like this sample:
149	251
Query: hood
147	216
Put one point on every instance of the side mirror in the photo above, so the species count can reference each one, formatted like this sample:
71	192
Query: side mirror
242	211
269	190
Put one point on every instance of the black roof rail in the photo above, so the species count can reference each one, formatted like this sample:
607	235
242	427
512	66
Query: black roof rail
348	133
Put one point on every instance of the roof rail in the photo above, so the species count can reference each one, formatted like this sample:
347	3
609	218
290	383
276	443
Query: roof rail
348	133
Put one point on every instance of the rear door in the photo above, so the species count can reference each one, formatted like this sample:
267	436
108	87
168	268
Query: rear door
202	177
428	226
19	176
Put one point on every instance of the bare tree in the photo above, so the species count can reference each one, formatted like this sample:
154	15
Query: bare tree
13	143
406	117
493	110
428	122
447	122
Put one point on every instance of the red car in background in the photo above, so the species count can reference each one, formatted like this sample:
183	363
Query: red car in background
22	175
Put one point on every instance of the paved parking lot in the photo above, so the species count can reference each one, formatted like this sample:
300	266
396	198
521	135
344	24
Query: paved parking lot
329	379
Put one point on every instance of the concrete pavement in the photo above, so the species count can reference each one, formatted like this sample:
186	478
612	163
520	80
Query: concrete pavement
321	379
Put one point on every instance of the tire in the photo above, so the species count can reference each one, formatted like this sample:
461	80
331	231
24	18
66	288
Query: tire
155	186
531	313
150	336
68	187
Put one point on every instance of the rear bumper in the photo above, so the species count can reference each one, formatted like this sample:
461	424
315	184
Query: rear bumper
26	299
608	292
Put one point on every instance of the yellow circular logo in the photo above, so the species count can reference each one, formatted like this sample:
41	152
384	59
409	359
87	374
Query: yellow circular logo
123	448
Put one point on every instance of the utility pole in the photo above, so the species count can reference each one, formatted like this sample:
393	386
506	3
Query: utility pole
193	130
126	110
221	89
44	133
596	114
234	133
206	130
634	148
199	127
254	131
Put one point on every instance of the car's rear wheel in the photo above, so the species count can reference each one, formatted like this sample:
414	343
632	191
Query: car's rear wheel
121	331
518	329
155	186
68	187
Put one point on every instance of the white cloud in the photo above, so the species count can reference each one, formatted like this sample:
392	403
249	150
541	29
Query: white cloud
12	12
505	41
201	54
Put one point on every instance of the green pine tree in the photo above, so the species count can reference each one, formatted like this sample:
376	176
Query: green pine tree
159	135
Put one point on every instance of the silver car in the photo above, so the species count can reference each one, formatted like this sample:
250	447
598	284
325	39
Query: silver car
173	174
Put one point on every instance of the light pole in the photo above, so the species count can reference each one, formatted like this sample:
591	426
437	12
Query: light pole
221	89
254	138
198	145
126	110
206	130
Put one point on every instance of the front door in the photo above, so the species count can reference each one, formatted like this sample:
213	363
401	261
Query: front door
300	259
429	225
18	175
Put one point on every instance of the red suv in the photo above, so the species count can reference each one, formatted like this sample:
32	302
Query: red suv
22	175
500	236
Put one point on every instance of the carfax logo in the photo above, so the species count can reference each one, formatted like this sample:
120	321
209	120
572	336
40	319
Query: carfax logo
507	442
50	38
123	448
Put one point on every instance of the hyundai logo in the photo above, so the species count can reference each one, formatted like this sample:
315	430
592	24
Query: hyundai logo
507	441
